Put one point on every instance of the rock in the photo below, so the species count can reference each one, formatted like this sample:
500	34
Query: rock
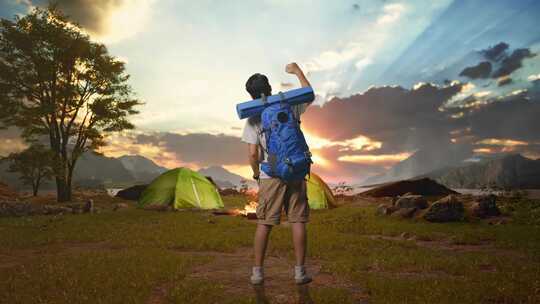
15	208
412	201
405	235
383	209
423	186
119	206
485	206
89	206
52	209
404	212
447	209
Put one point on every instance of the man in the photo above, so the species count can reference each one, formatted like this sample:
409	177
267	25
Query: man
274	193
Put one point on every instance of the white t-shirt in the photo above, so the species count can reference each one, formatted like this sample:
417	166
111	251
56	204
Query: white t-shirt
252	134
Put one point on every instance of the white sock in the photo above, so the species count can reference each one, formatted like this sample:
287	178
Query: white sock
258	271
299	271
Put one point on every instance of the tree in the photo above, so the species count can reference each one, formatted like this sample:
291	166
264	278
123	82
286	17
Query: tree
55	82
33	164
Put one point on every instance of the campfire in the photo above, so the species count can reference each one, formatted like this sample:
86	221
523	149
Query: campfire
248	211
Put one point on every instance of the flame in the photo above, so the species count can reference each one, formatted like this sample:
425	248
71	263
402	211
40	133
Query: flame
250	207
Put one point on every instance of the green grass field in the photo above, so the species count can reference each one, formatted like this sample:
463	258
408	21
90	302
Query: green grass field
138	256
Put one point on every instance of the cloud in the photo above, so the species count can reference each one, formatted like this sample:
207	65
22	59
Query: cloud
392	12
495	53
505	80
359	50
510	117
401	119
533	78
388	159
106	20
481	70
513	62
497	56
202	149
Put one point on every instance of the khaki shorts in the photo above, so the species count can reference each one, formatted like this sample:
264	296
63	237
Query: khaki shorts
276	195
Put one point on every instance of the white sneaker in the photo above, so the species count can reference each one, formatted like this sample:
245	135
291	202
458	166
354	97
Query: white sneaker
300	275
257	275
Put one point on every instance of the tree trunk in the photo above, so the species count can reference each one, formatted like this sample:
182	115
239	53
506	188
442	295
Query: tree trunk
63	191
36	186
62	195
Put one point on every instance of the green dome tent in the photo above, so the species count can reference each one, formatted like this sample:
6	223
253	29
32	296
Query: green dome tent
181	188
319	194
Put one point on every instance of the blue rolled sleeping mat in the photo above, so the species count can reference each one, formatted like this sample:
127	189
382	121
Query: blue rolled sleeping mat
292	97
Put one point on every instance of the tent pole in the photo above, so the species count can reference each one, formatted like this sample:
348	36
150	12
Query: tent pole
196	193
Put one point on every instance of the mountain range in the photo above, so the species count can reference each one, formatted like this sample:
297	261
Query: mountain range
422	162
94	170
512	171
507	171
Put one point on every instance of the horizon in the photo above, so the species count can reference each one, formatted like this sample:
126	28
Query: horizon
394	78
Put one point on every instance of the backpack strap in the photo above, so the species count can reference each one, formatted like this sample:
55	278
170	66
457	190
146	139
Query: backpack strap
264	99
281	99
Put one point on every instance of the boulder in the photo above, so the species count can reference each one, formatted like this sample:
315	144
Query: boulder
447	209
404	212
412	201
77	208
89	206
52	209
15	208
423	186
383	209
485	206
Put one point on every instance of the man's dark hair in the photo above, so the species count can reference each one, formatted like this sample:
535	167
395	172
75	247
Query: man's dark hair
258	84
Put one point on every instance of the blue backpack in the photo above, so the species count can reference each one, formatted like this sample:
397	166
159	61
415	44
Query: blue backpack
289	157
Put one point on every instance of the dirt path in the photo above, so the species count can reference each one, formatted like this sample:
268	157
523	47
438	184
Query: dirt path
232	271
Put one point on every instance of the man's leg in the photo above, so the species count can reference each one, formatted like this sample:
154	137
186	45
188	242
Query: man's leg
300	242
298	214
271	192
261	241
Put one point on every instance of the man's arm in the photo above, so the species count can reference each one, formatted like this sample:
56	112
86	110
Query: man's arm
293	68
254	159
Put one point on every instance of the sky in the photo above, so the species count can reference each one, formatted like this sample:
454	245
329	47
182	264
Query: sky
391	77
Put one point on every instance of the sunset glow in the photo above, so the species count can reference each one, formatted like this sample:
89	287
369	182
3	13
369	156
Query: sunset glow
502	142
375	159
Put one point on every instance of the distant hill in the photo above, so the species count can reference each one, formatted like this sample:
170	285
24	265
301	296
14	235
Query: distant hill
512	171
91	166
224	178
142	168
422	162
94	170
